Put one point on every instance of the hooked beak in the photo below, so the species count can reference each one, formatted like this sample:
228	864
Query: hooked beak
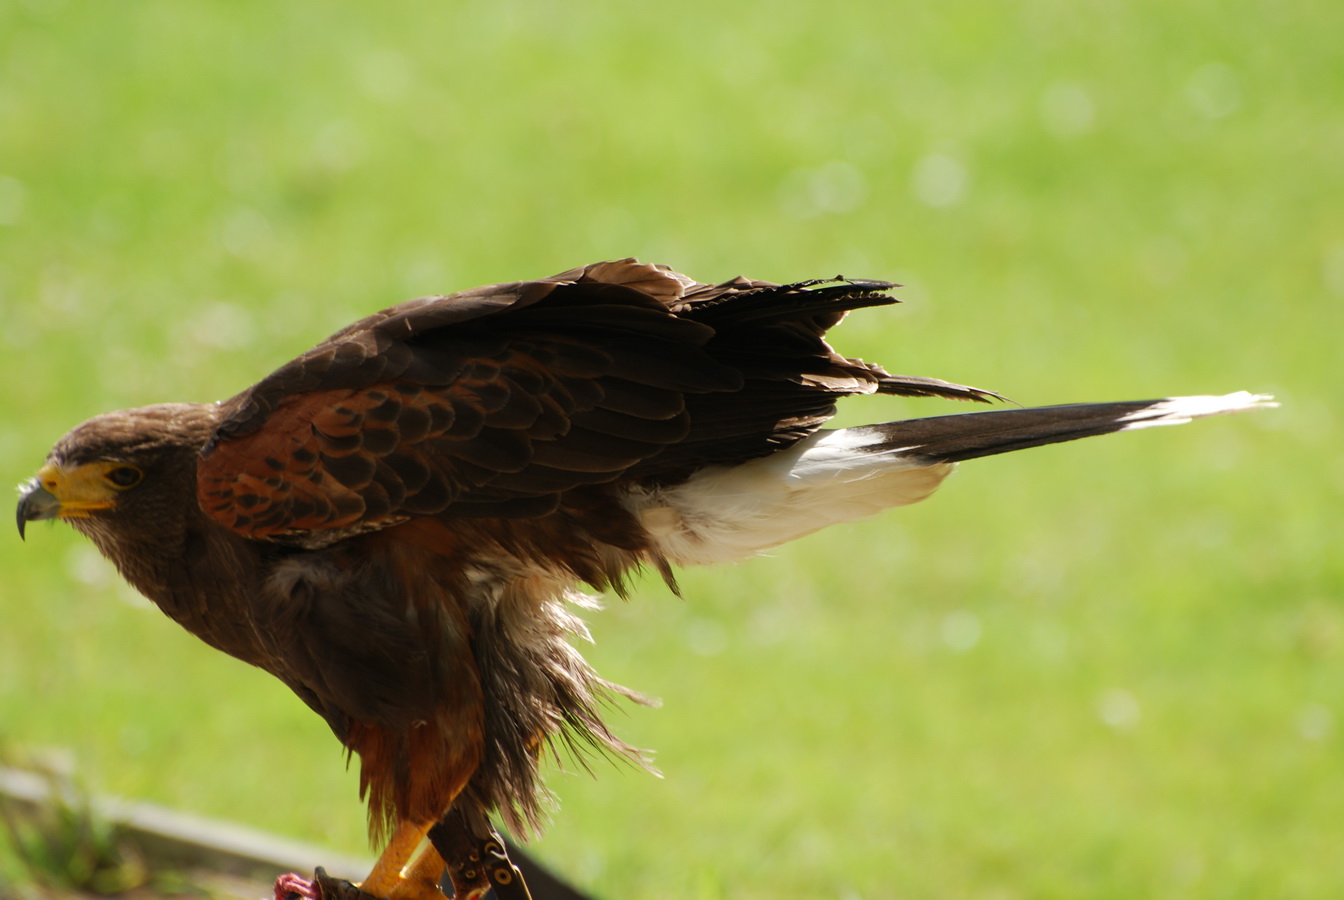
36	502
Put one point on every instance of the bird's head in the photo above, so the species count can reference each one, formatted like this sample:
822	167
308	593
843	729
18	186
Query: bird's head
121	470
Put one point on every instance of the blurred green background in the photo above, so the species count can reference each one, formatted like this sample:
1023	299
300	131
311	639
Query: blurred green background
1110	669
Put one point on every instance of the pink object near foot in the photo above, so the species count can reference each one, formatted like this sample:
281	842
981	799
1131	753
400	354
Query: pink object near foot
292	885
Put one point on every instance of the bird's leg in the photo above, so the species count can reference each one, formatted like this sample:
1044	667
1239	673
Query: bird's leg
386	874
420	879
476	864
417	881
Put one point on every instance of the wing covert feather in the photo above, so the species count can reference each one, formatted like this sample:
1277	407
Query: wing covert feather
497	400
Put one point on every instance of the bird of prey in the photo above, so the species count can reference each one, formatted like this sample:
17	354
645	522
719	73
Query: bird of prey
396	523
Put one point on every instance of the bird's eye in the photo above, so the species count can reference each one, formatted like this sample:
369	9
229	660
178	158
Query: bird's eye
124	476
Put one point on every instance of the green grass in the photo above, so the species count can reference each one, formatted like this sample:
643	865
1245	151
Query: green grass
1112	669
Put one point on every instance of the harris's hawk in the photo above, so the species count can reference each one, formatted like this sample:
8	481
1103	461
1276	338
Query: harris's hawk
395	523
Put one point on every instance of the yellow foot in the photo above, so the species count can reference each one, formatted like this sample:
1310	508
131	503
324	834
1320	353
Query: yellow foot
415	889
395	877
420	880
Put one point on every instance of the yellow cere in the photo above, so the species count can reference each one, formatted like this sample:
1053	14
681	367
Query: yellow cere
87	488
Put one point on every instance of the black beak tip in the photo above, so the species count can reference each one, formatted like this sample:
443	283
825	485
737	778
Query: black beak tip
35	502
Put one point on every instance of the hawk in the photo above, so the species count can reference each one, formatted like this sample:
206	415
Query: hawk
396	523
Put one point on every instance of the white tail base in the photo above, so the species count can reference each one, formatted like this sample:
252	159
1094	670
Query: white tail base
730	513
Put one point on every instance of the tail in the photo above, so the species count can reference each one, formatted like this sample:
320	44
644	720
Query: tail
726	513
949	439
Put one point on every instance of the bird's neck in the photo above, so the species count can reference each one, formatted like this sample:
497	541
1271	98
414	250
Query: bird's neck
200	575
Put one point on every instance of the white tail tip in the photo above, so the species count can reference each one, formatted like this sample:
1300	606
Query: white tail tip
1179	410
